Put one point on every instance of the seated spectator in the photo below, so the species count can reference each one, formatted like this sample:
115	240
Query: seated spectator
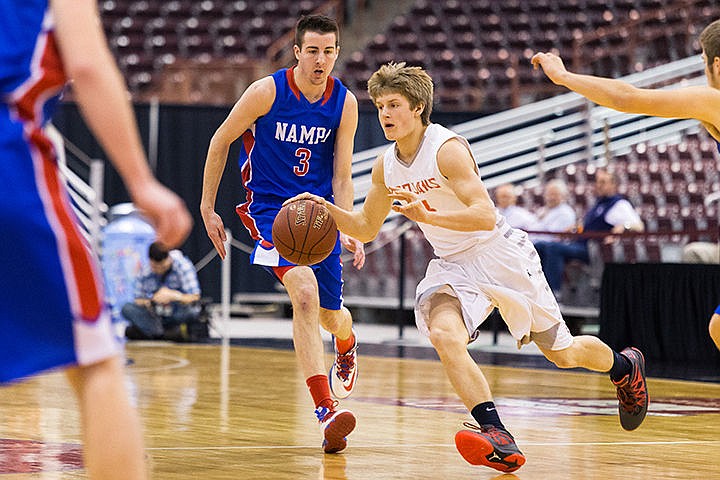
517	217
556	215
701	252
167	295
610	213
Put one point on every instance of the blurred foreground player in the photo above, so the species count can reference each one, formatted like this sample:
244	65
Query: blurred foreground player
431	175
298	128
51	310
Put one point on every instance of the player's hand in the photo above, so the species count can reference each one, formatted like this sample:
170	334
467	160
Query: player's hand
356	247
215	230
165	210
305	196
551	64
411	206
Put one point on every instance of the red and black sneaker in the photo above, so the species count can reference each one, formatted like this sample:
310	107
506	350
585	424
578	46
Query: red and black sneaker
490	446
632	391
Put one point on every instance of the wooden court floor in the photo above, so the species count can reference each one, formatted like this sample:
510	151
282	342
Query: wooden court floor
239	413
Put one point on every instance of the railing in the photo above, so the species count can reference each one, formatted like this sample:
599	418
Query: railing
521	144
84	178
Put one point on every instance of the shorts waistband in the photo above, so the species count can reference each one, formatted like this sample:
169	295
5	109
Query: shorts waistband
502	229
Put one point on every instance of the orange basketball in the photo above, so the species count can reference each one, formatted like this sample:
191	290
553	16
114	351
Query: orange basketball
304	232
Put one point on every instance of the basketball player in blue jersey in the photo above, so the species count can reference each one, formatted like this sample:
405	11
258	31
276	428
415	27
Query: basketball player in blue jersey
429	175
298	127
699	102
51	299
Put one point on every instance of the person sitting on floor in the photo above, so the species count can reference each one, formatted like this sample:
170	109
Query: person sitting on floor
167	295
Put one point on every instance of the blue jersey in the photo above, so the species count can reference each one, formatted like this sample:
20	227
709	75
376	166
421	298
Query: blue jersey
291	149
51	309
20	25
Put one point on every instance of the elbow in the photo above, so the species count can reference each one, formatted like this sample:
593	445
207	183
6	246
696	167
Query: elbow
487	224
83	71
364	236
487	221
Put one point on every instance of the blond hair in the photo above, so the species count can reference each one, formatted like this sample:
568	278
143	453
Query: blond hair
413	83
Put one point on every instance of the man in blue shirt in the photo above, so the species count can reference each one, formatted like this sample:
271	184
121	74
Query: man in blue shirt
611	213
166	294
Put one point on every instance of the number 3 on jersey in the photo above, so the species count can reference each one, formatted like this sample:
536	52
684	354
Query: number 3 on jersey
304	155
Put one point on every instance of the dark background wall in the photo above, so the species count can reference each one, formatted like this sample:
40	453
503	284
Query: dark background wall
184	136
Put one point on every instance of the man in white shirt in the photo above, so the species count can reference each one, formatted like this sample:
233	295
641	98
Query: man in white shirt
556	215
506	203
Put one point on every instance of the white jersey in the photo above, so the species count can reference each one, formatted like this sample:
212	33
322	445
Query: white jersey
483	269
423	177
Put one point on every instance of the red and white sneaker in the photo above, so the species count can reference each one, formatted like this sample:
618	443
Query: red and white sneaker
344	371
335	425
490	446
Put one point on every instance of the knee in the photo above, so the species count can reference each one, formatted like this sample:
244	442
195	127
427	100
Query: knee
131	310
305	298
446	339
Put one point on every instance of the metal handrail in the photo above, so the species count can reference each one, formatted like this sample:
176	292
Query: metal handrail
567	128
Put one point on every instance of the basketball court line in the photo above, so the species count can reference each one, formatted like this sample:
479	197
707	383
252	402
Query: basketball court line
439	445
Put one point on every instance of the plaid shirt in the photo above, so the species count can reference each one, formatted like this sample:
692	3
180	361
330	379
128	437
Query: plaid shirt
181	276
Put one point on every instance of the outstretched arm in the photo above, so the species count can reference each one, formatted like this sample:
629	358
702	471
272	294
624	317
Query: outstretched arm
698	102
255	102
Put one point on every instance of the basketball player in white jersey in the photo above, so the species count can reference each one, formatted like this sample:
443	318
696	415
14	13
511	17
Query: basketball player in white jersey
429	175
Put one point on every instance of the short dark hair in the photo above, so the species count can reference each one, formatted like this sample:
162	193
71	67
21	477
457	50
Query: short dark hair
316	23
710	41
157	252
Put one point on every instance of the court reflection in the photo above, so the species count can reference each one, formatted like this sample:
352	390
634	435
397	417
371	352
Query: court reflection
333	468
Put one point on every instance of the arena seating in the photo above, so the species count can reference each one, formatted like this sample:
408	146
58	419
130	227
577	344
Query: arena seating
477	50
480	49
147	36
667	183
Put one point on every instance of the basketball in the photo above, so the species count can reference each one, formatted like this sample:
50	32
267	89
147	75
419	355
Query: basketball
304	232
